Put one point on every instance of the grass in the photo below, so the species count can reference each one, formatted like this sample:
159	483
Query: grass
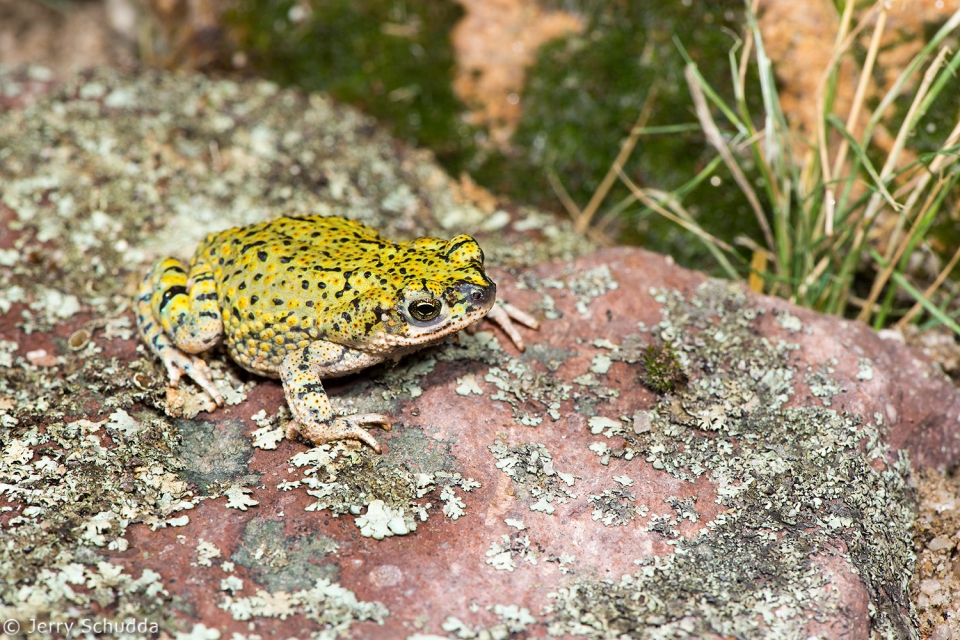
840	214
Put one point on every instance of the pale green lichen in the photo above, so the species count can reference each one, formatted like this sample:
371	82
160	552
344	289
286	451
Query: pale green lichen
334	607
522	386
597	424
345	478
616	507
76	486
380	521
514	619
505	552
533	394
790	322
821	385
803	479
237	498
535	480
206	552
233	584
468	385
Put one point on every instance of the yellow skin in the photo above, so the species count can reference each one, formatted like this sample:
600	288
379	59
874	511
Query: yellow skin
309	298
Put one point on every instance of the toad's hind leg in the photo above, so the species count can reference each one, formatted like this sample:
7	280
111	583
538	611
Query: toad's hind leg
177	317
313	416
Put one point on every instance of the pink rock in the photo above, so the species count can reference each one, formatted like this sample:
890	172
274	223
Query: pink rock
802	495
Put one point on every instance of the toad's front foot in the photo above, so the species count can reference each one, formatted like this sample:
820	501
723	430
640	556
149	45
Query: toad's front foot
339	428
313	415
504	314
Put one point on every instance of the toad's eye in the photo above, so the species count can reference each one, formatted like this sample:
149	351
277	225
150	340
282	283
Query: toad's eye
424	310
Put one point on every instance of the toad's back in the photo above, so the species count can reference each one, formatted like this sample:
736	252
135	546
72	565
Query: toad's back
282	283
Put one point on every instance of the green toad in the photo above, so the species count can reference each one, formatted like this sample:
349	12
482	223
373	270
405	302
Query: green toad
309	298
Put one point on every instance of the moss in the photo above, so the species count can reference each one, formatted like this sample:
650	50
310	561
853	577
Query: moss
403	76
585	93
582	96
662	372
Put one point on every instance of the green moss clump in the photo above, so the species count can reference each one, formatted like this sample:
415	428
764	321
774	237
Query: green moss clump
662	372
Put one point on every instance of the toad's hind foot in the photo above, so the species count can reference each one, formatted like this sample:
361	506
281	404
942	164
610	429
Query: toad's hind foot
340	428
178	363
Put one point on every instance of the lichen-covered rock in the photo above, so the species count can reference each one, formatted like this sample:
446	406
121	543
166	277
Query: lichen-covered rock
671	457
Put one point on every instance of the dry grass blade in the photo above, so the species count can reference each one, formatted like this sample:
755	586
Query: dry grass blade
682	218
595	235
866	74
562	194
909	121
941	278
845	38
715	138
895	250
583	220
941	162
892	261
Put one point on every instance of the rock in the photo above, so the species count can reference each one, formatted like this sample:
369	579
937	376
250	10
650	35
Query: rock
760	491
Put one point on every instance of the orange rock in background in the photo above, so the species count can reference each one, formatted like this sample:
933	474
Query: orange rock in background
494	45
799	38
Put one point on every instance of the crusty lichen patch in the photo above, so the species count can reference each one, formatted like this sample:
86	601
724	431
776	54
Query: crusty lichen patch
214	454
616	507
284	563
514	619
334	607
795	483
394	488
71	486
535	480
